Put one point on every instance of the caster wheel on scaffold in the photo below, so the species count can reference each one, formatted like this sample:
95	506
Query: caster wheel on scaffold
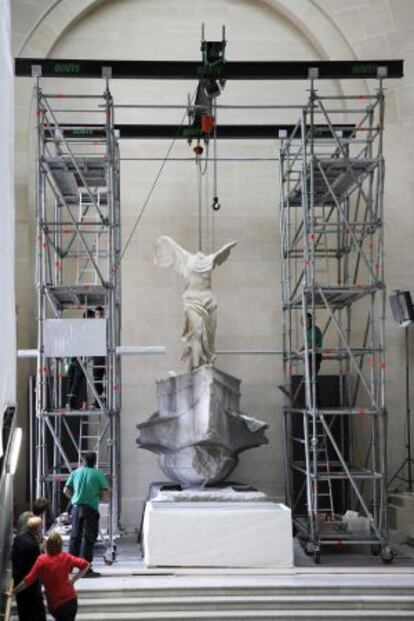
387	555
110	556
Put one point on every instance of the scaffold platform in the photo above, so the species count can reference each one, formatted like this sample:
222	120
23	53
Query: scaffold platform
331	229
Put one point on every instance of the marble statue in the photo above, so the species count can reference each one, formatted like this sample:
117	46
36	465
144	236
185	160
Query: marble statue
198	430
200	305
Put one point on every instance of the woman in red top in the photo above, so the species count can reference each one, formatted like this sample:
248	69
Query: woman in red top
53	569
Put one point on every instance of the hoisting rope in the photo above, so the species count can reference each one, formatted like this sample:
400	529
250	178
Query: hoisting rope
201	172
200	202
210	128
153	186
215	205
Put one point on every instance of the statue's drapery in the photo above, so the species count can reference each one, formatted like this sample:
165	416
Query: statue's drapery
200	305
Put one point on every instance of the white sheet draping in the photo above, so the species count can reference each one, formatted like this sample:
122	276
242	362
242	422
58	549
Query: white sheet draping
7	293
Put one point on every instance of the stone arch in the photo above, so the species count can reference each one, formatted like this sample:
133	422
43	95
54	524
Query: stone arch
305	15
313	22
52	25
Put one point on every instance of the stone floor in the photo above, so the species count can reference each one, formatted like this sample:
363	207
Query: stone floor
347	560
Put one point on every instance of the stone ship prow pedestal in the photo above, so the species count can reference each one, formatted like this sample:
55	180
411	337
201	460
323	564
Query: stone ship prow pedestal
199	430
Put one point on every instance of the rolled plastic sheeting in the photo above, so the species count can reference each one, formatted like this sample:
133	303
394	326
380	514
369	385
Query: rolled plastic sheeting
7	296
27	353
74	337
140	350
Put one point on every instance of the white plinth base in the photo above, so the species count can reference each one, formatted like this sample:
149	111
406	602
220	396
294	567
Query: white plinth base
202	534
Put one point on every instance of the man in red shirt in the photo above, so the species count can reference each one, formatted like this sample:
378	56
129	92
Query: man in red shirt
53	570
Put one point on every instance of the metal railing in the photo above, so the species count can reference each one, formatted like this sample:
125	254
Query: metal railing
6	512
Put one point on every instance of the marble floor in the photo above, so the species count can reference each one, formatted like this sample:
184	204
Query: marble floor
349	566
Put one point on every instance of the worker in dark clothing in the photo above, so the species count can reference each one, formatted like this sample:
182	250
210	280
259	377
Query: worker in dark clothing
77	393
86	487
25	551
99	365
314	340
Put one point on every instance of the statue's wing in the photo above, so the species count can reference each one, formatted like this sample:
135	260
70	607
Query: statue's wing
167	253
223	254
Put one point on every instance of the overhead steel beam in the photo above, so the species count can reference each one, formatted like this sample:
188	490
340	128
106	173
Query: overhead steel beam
272	132
193	70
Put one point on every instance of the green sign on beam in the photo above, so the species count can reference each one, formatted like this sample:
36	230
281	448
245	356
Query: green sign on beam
67	68
364	69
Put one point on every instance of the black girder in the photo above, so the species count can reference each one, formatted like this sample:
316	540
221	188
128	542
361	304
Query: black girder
272	132
193	70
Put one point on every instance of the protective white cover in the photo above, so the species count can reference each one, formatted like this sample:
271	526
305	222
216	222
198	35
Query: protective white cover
226	494
217	534
7	294
74	337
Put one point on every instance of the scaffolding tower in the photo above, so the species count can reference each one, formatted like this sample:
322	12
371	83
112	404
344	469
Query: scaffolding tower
77	270
331	225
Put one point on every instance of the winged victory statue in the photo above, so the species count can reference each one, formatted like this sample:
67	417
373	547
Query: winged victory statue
200	304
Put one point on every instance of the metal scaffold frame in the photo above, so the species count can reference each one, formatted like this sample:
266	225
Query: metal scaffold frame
331	225
77	270
79	254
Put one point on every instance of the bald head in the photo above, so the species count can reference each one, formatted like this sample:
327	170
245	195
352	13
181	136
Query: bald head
34	524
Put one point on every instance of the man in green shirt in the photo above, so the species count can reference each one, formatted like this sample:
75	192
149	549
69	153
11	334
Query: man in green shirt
85	487
314	339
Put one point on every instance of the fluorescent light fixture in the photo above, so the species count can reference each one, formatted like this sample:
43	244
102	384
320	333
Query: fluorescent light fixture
402	307
14	450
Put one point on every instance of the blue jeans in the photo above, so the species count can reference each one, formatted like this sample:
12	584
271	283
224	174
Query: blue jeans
85	528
